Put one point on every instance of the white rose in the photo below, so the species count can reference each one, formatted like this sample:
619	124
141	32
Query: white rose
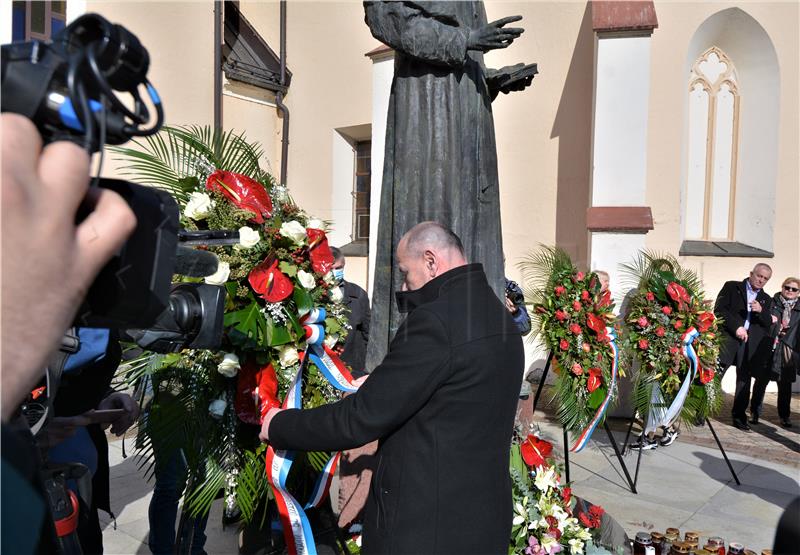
288	356
336	294
220	276
248	238
294	230
314	223
198	206
217	408
229	366
306	280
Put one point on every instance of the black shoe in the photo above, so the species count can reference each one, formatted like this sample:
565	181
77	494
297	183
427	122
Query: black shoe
754	419
786	423
741	424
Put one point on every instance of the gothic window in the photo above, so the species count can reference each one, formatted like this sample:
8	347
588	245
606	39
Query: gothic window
713	146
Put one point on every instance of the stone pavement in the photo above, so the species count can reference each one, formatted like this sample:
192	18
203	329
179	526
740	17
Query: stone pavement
686	485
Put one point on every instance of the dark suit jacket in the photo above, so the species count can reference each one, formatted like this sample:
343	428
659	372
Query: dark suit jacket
442	403
354	352
731	306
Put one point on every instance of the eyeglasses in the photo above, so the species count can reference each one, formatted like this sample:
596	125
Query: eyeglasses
792	289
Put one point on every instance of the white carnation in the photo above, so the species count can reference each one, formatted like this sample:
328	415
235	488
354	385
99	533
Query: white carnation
229	366
220	276
337	295
288	356
306	280
198	206
248	238
217	408
294	230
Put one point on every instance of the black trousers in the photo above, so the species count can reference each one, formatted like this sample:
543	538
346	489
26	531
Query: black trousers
741	397
784	397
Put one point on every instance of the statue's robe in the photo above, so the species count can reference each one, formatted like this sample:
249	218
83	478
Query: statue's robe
440	162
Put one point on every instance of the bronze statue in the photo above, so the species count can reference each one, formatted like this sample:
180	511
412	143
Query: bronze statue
441	161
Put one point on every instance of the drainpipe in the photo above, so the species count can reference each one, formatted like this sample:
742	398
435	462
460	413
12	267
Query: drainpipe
279	100
218	7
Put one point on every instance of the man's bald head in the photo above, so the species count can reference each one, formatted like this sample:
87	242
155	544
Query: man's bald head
428	250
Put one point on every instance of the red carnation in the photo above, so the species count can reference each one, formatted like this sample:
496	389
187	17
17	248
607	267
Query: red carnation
660	331
674	350
644	344
576	306
706	375
566	495
579	276
563	344
596	511
243	192
704	321
585	295
534	451
642	322
575	329
585	520
560	290
649	296
666	310
678	325
586	347
561	315
577	369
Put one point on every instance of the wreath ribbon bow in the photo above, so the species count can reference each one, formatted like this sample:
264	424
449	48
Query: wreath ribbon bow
296	528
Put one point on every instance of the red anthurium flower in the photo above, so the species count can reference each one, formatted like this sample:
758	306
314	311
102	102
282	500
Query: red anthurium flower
642	322
561	315
574	329
595	323
269	282
605	299
577	369
704	321
666	310
563	344
678	294
706	375
576	306
244	192
560	290
535	451
643	344
256	392
594	380
649	296
660	331
319	251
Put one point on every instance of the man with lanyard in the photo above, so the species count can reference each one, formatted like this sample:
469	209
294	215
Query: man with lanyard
744	309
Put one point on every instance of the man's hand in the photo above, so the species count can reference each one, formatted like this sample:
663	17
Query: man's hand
741	333
60	428
755	306
510	306
48	261
493	35
120	401
264	434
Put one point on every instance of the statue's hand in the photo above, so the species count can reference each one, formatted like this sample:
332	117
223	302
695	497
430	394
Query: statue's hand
509	78
493	35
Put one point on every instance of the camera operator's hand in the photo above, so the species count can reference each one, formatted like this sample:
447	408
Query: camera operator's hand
48	260
60	428
510	306
120	401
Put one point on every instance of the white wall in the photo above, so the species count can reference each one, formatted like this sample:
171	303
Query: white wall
342	172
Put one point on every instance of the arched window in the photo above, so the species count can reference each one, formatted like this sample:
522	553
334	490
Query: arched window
713	147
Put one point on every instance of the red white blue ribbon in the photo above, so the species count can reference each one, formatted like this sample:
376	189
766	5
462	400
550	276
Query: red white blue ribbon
658	416
296	528
583	439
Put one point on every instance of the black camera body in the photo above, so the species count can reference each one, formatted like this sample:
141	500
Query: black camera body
67	88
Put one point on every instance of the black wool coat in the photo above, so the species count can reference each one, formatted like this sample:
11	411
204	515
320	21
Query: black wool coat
442	404
774	367
354	352
731	306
